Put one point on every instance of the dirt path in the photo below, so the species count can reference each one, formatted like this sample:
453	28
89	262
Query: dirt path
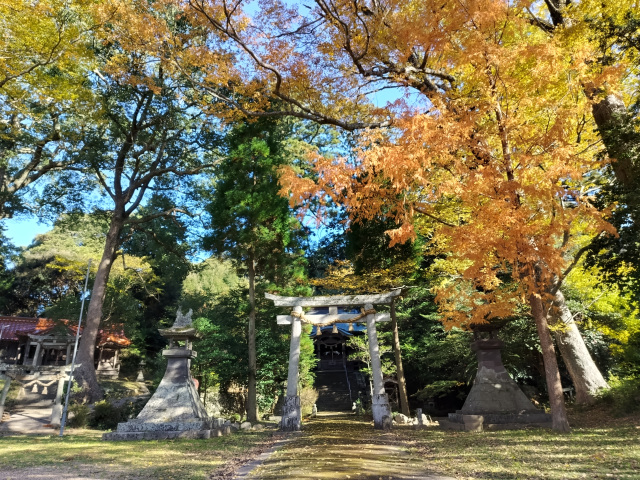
28	420
341	447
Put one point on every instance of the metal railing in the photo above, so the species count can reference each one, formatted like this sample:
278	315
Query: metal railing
346	373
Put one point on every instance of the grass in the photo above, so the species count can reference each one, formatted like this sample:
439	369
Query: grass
532	454
346	449
83	451
599	446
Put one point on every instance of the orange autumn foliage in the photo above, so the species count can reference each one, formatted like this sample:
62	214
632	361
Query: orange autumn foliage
510	141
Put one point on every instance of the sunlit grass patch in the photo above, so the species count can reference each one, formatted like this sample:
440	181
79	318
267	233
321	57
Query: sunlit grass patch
532	454
167	459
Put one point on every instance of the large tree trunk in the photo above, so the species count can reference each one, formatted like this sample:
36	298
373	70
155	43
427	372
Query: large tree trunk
252	400
559	418
586	377
612	118
402	385
85	374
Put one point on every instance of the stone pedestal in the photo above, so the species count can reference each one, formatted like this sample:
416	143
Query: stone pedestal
495	400
291	414
381	411
175	409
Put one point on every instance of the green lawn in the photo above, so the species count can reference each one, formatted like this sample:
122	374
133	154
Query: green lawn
84	451
345	448
612	452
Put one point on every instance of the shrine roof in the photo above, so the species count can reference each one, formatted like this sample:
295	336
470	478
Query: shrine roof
25	326
13	325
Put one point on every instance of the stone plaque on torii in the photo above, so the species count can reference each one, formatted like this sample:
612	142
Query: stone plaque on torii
291	416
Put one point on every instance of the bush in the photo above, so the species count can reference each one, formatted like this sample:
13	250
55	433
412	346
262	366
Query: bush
78	415
308	396
623	395
105	416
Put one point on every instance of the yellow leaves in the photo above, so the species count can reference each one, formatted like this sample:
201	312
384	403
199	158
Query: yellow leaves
44	49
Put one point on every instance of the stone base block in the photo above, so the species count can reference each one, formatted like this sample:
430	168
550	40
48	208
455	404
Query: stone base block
134	426
380	409
165	434
495	421
291	414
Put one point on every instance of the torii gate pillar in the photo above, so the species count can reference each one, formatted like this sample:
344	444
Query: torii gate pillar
380	407
291	414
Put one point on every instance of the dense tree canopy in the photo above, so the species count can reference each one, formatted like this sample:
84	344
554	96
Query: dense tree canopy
493	145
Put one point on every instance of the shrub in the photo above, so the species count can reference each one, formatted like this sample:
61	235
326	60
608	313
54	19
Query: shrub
78	415
623	395
105	416
308	396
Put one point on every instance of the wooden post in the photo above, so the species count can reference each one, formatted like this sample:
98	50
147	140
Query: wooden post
379	401
26	352
397	351
36	357
291	414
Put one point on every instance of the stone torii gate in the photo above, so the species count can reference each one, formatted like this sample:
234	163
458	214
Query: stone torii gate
291	416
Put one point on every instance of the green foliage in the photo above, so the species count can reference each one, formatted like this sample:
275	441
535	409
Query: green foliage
79	415
248	217
162	244
430	353
207	281
437	389
609	320
48	276
308	397
222	348
623	396
106	416
360	346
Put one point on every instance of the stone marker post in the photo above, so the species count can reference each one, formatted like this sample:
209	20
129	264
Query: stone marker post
420	423
380	401
3	397
56	410
291	413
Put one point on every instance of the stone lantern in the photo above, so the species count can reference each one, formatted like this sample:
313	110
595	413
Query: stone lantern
175	409
495	400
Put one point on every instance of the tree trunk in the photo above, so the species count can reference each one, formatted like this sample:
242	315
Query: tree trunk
554	386
612	118
252	400
402	385
85	374
586	376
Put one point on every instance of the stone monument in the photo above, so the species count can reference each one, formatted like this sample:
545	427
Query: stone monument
495	401
175	409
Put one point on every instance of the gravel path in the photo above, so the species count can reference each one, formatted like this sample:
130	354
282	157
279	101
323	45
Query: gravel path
342	447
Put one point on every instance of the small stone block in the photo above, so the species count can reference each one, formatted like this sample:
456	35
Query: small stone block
473	423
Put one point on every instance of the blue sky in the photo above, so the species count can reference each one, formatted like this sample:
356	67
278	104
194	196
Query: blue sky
21	231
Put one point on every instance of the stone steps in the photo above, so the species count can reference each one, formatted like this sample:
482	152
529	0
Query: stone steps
333	391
